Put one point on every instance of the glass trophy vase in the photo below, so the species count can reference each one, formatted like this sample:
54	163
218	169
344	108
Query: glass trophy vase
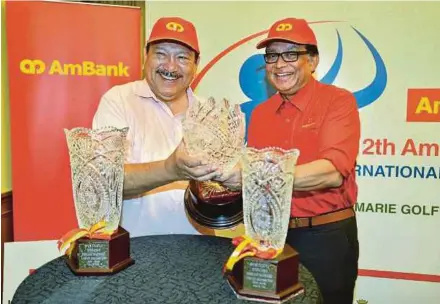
97	170
268	176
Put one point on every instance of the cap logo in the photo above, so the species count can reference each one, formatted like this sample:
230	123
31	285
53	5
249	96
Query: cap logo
283	27
174	26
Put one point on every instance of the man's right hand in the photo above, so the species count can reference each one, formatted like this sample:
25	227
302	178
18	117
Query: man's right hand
185	167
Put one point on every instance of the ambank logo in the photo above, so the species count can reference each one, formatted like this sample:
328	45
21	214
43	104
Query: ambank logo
283	27
253	82
32	67
85	68
174	26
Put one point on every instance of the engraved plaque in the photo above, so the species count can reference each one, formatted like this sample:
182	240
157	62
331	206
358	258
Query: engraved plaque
259	275
93	254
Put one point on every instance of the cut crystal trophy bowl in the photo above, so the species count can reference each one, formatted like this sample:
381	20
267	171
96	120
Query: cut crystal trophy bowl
213	130
97	170
268	176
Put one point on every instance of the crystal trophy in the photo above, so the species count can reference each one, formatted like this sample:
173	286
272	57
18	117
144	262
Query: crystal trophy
214	130
268	176
99	246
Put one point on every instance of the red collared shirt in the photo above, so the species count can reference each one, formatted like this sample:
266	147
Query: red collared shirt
322	121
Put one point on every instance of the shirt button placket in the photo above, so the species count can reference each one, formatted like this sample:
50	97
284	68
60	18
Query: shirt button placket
288	122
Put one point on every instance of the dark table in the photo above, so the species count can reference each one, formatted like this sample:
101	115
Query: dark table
168	269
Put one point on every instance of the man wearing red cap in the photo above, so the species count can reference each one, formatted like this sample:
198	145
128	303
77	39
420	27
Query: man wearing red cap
322	121
152	109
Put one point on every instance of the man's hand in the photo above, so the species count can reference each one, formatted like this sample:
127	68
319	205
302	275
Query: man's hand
317	175
185	167
231	179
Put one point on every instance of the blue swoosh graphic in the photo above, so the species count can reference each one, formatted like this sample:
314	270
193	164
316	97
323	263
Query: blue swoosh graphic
372	92
336	66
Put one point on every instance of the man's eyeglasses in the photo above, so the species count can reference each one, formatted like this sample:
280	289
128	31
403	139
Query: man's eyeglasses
291	56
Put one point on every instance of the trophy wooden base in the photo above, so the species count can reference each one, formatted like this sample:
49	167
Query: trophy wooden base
96	257
270	281
212	206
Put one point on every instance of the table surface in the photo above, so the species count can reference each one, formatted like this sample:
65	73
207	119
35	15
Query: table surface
168	269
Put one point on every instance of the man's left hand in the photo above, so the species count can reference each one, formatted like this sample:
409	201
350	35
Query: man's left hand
231	179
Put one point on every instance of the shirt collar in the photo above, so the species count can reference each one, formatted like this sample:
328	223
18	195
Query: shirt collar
142	89
300	99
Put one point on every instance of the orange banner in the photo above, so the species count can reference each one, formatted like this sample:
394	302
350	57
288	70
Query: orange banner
423	105
62	58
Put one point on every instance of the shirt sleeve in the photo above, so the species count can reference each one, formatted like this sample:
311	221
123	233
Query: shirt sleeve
110	112
340	135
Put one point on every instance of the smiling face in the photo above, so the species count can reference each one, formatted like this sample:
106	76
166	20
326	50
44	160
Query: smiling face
169	69
289	76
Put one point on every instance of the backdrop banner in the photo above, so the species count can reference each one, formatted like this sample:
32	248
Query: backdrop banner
62	58
387	61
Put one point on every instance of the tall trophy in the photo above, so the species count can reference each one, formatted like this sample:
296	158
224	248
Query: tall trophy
214	131
99	246
263	267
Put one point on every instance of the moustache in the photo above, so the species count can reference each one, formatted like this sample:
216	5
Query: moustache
167	73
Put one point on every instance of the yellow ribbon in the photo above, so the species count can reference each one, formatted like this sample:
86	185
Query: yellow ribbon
248	247
96	231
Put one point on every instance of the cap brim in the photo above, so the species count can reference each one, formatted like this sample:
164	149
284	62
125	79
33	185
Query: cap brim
263	43
173	39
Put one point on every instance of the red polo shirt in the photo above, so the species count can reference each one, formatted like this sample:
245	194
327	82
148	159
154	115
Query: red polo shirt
322	122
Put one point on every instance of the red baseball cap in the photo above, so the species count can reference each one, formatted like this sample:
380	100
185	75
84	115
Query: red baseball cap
175	29
291	30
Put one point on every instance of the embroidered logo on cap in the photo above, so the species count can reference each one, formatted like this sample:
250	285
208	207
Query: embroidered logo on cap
283	27
174	26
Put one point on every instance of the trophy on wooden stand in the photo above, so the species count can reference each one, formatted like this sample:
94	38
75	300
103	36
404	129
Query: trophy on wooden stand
262	267
214	131
99	246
